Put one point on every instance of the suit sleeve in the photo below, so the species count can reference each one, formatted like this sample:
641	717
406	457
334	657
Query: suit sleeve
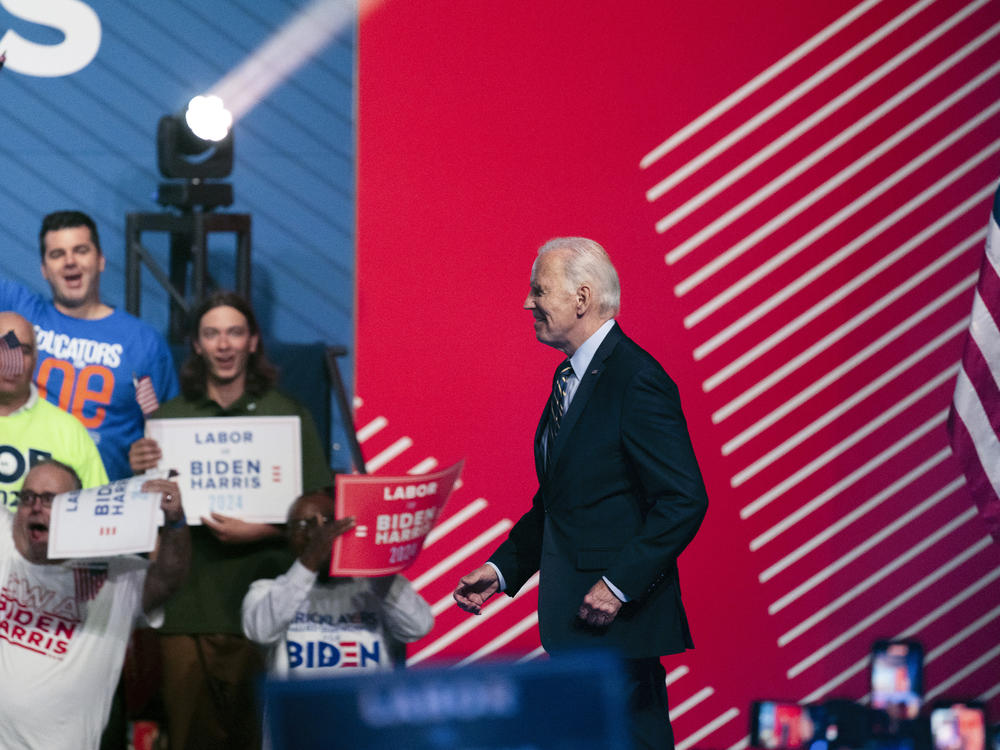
658	449
519	557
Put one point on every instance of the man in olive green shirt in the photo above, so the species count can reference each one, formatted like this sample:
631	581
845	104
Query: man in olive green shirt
209	668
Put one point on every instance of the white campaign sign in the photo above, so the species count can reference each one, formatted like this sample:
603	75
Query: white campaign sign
114	519
247	467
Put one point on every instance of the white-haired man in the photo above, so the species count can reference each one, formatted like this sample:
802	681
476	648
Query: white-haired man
620	493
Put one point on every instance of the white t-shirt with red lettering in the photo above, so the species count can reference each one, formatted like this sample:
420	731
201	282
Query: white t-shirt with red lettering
63	633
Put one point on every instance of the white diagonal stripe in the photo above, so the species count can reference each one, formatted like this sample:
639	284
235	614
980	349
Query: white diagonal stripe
881	574
699	734
782	103
844	406
381	459
849	364
776	261
889	606
501	640
734	175
835	528
838	333
756	83
684	706
857	550
470	624
454	520
462	552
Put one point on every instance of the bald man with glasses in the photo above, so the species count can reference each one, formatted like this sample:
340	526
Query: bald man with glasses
31	428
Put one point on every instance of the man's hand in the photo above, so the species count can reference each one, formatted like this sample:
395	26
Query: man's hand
144	454
474	589
231	530
600	606
172	557
320	543
170	498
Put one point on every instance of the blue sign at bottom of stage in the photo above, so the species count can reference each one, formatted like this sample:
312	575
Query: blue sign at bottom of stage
564	702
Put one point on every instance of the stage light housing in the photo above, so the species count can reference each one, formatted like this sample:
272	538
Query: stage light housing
195	146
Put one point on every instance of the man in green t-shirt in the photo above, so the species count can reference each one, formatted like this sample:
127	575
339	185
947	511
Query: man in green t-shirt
209	668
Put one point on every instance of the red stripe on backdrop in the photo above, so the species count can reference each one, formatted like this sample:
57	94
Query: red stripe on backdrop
801	259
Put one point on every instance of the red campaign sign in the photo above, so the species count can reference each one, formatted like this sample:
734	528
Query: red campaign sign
393	516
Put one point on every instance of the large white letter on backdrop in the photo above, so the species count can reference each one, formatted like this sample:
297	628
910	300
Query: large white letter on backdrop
74	18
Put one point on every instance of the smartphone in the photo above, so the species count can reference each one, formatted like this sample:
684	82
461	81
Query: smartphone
781	725
958	726
897	678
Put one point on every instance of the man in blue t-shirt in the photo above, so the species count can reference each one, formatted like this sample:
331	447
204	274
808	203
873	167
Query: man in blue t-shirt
90	354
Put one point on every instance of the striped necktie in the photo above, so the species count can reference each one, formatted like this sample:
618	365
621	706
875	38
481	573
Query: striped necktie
556	401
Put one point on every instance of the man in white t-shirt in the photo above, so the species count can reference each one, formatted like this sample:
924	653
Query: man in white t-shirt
318	626
64	625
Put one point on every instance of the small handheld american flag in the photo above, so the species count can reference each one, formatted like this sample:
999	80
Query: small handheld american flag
11	359
145	394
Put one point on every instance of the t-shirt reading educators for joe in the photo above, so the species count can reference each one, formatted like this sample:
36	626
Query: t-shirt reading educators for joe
63	633
86	367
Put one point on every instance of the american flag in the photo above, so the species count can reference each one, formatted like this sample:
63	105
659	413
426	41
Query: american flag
145	394
88	579
11	359
974	421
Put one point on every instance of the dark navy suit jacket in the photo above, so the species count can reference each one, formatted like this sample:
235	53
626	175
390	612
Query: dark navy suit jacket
622	497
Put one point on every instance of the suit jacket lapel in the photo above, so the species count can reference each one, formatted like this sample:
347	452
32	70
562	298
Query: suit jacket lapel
582	395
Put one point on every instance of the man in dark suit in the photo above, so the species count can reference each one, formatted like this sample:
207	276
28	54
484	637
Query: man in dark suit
620	493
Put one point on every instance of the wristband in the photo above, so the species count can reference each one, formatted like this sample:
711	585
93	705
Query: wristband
180	523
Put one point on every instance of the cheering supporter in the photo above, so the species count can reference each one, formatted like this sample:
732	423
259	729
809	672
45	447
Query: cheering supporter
319	626
209	667
31	428
92	357
64	625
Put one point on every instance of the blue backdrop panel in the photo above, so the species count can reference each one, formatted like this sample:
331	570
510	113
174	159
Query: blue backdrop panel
87	140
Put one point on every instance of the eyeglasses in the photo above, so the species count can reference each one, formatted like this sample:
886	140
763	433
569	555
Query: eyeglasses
300	525
28	497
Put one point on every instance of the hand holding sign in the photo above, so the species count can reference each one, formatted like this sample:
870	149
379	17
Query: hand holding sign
321	534
114	519
170	494
393	516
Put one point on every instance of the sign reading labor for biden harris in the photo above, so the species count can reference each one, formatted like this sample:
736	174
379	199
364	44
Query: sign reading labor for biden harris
392	518
246	467
113	519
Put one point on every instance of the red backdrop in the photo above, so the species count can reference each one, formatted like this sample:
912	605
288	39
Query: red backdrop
804	274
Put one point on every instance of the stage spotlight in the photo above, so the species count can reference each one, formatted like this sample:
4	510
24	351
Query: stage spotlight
191	148
208	118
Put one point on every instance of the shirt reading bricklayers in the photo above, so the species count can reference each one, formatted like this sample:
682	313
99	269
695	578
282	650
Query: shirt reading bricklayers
86	367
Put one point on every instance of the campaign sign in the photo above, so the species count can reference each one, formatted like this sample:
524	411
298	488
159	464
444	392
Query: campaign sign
564	703
114	519
393	516
246	467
